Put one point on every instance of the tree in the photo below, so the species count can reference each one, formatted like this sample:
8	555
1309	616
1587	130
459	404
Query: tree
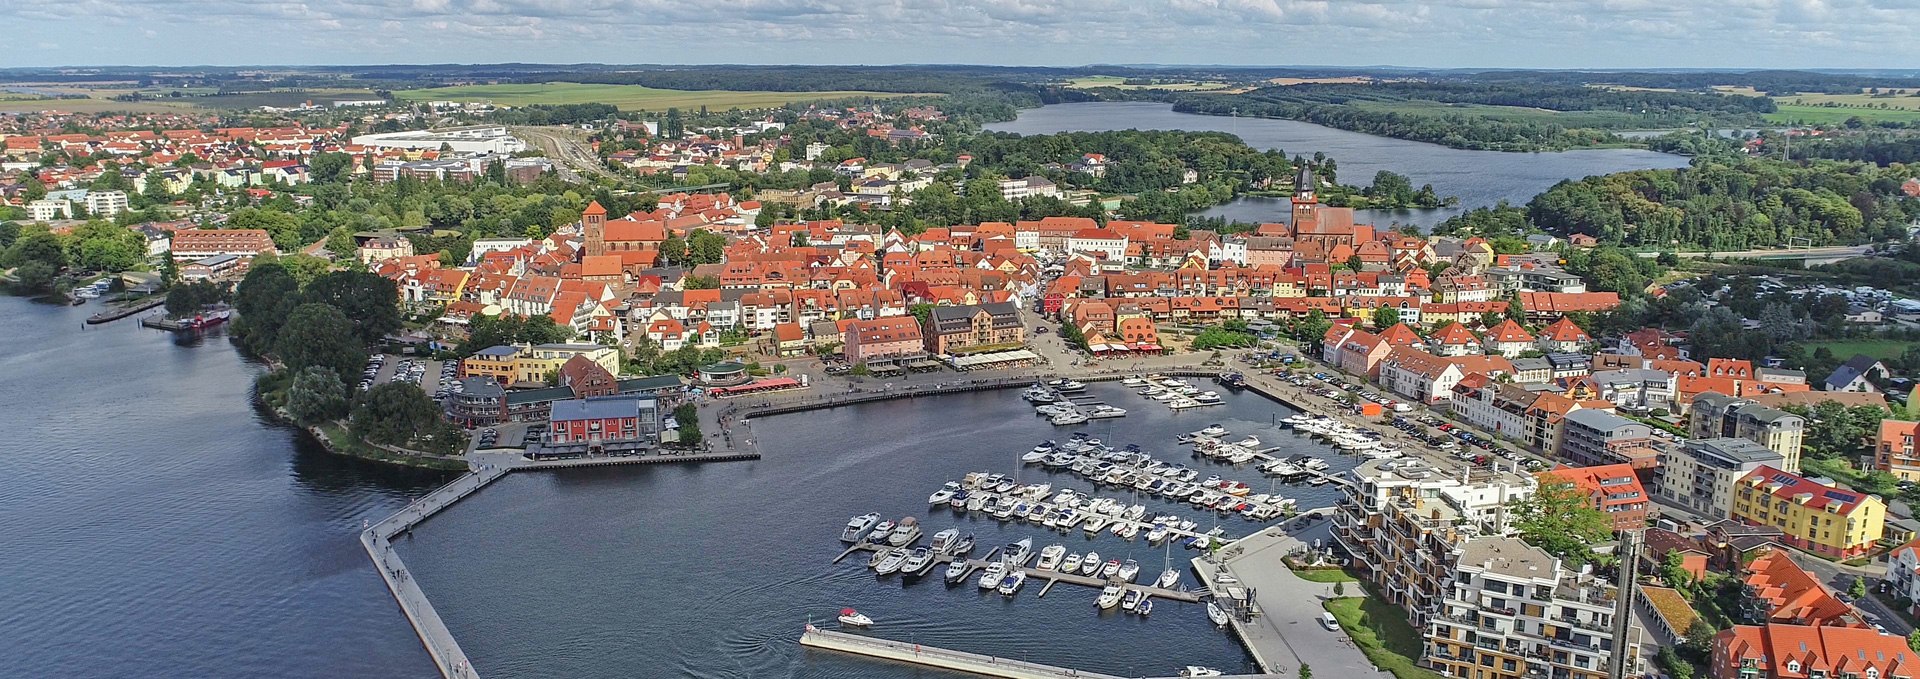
688	417
700	283
316	395
1339	589
1306	671
1386	317
330	168
1673	570
1676	667
191	297
393	413
105	246
1858	589
35	245
1913	641
371	301
1559	519
264	298
921	312
320	335
705	248
33	277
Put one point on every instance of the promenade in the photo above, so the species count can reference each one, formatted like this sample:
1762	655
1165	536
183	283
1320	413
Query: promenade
1274	612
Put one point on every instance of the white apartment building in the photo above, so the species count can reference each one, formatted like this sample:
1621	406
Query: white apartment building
1512	611
106	203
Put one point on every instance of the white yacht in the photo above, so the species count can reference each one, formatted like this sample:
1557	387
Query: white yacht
1019	552
990	576
1110	596
905	533
1069	418
944	541
1198	671
880	555
1110	568
918	562
1213	430
1132	599
1010	585
1091	564
1105	411
1129	570
1050	557
944	494
858	526
890	565
852	617
1217	614
1071	564
956	570
1168	579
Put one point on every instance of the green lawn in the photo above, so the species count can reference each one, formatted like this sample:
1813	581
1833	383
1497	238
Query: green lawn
627	97
1325	575
1381	631
1878	348
1821	115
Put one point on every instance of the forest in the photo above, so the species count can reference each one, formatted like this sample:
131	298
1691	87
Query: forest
1732	205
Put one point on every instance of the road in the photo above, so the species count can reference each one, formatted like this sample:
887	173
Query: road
571	156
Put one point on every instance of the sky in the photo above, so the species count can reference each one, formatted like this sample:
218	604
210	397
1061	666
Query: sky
1436	34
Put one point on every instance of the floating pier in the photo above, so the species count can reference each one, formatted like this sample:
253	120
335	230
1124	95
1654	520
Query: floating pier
1050	576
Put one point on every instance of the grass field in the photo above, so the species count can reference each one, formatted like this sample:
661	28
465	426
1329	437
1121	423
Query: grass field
1382	633
1878	348
1119	83
1822	115
627	97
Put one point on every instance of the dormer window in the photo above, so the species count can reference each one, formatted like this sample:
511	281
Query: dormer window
1793	666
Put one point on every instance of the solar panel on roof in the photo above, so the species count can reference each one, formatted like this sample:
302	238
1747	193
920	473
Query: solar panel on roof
1840	496
1784	479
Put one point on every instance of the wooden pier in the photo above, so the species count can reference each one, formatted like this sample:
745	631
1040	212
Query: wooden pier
1050	576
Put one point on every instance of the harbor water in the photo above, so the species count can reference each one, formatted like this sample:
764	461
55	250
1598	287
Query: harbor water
711	571
160	525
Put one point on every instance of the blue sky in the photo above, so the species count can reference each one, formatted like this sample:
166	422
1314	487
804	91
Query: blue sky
1446	33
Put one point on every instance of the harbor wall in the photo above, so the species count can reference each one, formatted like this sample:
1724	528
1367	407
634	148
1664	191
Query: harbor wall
938	657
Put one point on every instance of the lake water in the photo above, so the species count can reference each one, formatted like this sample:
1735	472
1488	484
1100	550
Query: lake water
158	525
1477	178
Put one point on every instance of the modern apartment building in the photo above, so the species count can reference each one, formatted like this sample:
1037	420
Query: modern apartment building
1894	451
1592	437
1700	474
1404	522
1716	414
1512	611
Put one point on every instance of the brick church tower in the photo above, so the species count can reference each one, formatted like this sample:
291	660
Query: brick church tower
593	229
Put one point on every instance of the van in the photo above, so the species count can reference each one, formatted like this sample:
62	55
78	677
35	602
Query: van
1328	621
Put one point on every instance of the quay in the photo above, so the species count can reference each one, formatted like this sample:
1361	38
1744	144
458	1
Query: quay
515	460
1274	612
1050	576
123	312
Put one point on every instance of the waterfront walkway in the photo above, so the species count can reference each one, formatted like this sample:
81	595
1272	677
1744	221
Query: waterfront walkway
938	657
433	632
1274	612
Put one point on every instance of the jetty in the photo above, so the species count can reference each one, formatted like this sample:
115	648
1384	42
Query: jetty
118	313
1050	576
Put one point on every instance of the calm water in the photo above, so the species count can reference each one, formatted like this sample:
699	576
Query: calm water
159	526
712	570
1478	178
156	525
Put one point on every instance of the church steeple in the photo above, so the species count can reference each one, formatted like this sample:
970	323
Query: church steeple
1303	185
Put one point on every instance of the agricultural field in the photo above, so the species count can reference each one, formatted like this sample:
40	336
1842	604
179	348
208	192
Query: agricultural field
626	97
1827	115
1883	349
1894	105
1573	119
1119	83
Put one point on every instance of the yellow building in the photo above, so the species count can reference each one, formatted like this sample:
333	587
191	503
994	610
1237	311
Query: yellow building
1825	520
498	363
538	362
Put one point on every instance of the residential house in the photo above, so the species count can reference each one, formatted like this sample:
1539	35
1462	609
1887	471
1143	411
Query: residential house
883	339
1823	519
1700	474
1802	652
1716	415
969	328
1894	451
1418	375
1615	489
1508	339
1857	374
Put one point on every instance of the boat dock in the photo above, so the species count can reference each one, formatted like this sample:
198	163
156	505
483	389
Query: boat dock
521	462
943	658
123	312
1050	576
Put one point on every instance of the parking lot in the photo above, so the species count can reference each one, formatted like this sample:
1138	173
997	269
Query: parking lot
1440	434
436	378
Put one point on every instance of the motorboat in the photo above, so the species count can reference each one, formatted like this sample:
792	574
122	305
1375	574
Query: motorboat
1131	600
945	493
1069	418
1217	614
858	526
1105	411
1010	585
1071	564
1005	486
956	570
1110	568
976	502
1091	564
1198	671
852	617
943	541
1213	430
918	562
1050	557
880	531
1019	552
1110	596
1096	523
1157	533
892	564
1168	579
880	555
990	576
1038	394
905	533
1034	457
962	546
1126	530
1145	607
1207	397
959	500
1129	570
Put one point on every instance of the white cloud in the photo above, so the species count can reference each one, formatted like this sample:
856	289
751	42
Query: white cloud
1497	33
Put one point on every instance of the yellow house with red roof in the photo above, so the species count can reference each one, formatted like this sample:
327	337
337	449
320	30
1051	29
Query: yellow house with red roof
1826	520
